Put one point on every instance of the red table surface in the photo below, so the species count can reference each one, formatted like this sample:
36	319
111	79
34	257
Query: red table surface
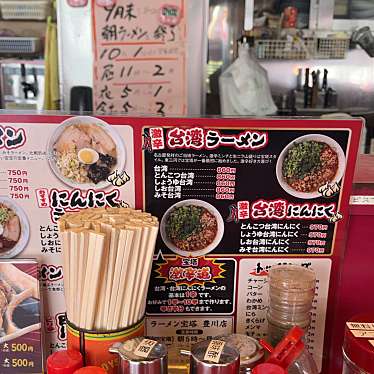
355	294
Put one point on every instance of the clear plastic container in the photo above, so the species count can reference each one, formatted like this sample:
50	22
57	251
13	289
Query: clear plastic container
291	294
278	330
290	354
305	364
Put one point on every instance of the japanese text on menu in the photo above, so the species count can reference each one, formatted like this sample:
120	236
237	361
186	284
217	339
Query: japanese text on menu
140	56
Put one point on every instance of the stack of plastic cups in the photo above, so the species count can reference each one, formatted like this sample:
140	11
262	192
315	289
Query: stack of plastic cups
291	294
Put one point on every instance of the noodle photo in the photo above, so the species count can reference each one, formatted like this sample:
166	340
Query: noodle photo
192	228
308	163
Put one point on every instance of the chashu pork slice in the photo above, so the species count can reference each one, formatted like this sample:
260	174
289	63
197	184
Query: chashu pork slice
12	229
101	141
73	137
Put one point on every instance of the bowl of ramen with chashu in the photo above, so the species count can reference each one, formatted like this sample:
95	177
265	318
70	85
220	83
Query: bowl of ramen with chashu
83	151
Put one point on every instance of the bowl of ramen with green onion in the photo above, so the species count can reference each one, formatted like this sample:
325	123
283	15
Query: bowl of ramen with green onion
308	163
192	228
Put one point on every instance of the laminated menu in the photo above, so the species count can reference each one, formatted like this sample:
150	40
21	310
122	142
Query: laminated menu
20	322
233	197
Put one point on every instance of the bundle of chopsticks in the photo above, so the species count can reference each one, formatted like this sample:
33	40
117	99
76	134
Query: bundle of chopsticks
107	256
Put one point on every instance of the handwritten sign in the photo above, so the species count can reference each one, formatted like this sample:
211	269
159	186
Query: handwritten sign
140	57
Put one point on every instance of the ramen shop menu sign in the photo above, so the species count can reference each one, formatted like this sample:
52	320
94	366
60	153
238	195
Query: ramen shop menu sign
246	192
140	57
233	201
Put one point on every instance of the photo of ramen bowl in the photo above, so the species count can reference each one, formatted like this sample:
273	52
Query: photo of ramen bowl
14	228
84	151
192	228
309	162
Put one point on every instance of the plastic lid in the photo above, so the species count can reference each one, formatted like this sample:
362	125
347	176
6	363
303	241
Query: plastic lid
291	278
64	362
359	349
288	350
268	368
90	370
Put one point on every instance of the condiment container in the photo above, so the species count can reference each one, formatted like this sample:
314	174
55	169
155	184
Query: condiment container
291	294
91	370
214	357
358	347
289	17
304	364
290	354
64	362
141	355
269	369
250	351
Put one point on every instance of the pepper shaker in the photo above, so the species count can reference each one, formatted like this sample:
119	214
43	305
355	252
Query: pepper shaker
250	351
141	355
214	357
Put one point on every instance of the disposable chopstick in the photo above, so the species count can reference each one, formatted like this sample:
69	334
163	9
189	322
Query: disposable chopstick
82	267
146	273
111	266
99	320
124	237
61	225
73	262
65	237
140	257
130	277
88	278
124	243
95	270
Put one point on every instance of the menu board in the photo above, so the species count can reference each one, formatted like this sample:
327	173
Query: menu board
140	57
232	201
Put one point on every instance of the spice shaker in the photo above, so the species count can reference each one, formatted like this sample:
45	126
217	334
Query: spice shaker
214	357
250	351
291	294
141	355
358	347
64	362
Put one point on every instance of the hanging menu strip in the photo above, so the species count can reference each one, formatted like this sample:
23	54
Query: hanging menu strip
140	57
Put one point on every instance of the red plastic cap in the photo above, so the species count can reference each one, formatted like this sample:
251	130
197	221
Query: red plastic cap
288	350
64	362
268	369
91	370
359	349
